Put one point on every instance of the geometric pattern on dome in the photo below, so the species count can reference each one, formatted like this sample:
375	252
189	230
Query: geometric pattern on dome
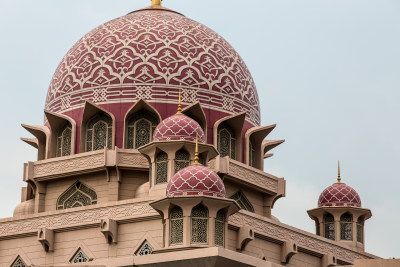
150	55
179	128
196	180
339	195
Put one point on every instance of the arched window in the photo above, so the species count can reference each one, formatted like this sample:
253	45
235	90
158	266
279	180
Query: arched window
141	126
242	201
252	154
360	231
226	141
176	226
99	132
346	227
19	262
182	159
199	225
77	195
329	225
161	168
64	137
220	228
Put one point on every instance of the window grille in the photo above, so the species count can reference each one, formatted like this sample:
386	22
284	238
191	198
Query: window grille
346	227
77	195
145	249
199	226
220	228
329	224
182	159
64	138
242	201
176	226
161	168
226	143
19	262
99	132
141	126
79	256
360	226
252	154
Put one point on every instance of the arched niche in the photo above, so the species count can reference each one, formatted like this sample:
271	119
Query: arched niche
232	123
147	111
58	123
89	112
196	112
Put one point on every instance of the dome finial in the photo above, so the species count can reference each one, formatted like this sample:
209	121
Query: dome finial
156	2
338	177
179	104
196	153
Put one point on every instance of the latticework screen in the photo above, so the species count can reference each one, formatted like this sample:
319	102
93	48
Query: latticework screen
161	168
141	126
99	132
182	159
18	262
329	225
226	142
176	226
220	228
199	225
77	195
64	138
79	256
145	249
242	201
346	227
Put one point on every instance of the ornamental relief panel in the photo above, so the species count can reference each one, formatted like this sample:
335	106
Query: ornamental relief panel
76	218
252	177
279	232
124	58
132	160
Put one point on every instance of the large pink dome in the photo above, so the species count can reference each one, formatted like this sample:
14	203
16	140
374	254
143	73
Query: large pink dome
150	54
179	128
196	180
339	195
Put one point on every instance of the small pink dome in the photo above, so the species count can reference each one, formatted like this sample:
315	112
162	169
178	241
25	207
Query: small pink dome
339	195
196	180
179	128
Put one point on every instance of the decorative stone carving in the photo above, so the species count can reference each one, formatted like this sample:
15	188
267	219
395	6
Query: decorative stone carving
328	260
132	160
244	236
109	228
46	238
281	233
289	249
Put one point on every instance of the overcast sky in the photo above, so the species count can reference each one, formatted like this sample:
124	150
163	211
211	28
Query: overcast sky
327	72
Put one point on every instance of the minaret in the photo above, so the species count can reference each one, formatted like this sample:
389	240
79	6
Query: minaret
339	215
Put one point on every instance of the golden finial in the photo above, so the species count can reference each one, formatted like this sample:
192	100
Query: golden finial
156	2
179	104
338	176
196	153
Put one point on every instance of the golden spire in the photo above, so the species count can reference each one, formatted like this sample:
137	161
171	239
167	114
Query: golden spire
179	104
196	153
338	177
156	2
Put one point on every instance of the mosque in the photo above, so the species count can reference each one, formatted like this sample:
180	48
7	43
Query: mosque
152	154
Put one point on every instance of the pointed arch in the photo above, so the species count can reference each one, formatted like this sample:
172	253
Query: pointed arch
161	168
62	142
196	112
97	128
140	117
228	136
242	201
199	224
254	153
176	226
77	195
329	226
346	227
182	159
42	134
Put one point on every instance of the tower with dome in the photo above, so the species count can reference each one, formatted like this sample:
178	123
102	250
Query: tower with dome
152	154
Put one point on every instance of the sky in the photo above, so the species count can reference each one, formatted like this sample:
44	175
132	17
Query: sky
327	73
